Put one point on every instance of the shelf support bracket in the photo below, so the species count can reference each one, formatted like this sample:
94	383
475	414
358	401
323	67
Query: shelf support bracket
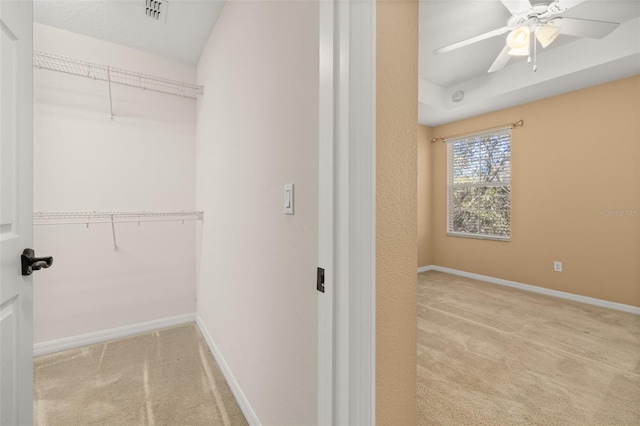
110	99
113	231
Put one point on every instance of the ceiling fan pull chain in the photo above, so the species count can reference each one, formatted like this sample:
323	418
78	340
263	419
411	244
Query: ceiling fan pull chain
535	54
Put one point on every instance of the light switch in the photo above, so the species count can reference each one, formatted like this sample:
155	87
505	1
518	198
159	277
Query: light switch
288	198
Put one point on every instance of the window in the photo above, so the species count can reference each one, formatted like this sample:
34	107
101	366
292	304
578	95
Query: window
479	185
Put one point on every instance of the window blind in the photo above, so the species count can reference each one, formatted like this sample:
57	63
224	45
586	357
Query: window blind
479	185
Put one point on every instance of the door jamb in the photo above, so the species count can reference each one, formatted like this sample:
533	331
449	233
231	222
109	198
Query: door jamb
346	329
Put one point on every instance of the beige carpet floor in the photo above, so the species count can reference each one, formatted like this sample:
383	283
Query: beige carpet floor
492	355
167	377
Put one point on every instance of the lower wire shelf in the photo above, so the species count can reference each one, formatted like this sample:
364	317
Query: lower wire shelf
113	218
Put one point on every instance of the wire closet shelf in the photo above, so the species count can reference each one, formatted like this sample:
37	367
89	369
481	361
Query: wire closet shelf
88	218
113	218
49	61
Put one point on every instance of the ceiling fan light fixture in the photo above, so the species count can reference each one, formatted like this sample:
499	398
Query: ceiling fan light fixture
518	38
523	51
546	34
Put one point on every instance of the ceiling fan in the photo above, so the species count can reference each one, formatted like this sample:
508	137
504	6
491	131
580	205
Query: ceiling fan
541	22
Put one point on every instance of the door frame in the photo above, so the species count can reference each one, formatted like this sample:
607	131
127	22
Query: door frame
347	221
346	213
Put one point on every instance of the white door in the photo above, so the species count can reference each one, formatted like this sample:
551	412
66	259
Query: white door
16	301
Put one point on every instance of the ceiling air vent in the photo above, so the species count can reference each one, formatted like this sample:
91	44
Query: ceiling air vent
156	9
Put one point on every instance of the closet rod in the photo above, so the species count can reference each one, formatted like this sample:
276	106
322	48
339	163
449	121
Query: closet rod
63	64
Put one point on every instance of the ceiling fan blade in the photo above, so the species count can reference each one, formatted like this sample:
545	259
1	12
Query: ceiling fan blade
472	40
517	6
585	27
501	61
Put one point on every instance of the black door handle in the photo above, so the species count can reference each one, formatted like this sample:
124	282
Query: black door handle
31	263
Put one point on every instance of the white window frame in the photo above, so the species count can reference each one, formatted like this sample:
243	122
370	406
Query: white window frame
465	139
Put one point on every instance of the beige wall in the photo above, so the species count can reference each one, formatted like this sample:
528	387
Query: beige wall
425	248
576	158
396	175
257	129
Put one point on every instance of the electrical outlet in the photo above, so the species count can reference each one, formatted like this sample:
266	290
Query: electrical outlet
557	266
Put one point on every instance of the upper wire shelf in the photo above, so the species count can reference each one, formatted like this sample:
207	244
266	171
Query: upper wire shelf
77	67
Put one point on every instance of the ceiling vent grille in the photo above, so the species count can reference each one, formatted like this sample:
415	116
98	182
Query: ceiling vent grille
156	9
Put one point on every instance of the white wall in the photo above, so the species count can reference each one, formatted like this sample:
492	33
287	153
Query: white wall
83	161
257	130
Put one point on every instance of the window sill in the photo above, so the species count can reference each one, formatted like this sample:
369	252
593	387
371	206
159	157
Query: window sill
479	236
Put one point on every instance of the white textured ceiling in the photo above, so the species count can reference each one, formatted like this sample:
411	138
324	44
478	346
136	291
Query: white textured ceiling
569	63
182	37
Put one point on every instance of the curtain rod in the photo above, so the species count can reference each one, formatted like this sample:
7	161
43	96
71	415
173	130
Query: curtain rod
519	123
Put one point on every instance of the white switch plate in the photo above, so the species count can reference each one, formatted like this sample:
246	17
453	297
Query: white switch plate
557	266
288	198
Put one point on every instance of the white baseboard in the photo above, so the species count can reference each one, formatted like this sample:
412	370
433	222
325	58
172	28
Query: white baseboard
535	289
110	334
242	400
